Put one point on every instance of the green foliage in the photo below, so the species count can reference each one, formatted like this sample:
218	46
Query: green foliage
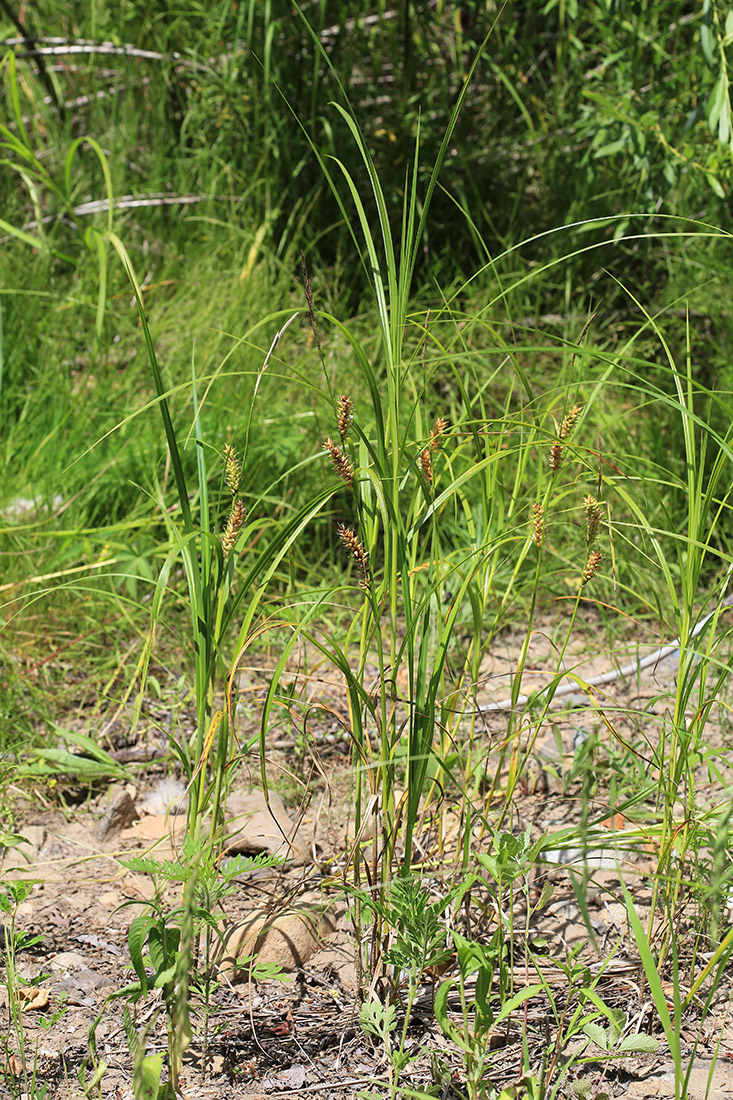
463	208
378	1019
147	1068
162	943
14	1043
479	1013
89	763
417	925
511	857
611	1038
580	111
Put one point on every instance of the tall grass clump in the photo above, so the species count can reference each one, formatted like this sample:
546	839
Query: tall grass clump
453	520
412	481
479	478
224	608
392	467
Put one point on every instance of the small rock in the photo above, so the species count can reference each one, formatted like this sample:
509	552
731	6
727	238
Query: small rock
92	940
254	826
80	985
154	828
22	507
289	1080
35	835
68	960
287	938
109	899
119	815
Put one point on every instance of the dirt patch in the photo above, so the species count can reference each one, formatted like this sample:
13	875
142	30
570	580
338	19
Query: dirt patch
302	1035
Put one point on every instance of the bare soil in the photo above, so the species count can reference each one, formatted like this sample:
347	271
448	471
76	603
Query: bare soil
302	1036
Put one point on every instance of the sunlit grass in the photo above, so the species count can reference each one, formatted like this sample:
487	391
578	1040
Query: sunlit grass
415	480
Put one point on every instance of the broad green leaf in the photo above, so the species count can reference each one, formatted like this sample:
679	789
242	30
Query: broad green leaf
162	946
597	1034
67	763
147	1087
638	1044
440	1009
164	977
136	938
378	1019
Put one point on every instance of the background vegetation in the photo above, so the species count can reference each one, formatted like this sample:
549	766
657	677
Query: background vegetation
593	143
230	214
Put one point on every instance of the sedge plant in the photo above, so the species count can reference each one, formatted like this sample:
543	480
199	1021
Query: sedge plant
392	461
225	603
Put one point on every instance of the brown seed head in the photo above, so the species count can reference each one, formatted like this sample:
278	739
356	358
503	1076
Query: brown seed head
234	524
341	463
569	420
427	465
344	415
232	468
591	566
355	547
436	432
555	457
593	514
538	524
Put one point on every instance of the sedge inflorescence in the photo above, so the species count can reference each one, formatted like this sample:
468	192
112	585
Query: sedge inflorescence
538	524
232	468
426	460
344	415
591	566
593	514
356	548
566	430
235	519
233	527
341	462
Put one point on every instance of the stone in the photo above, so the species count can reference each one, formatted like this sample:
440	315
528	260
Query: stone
705	1080
82	984
120	814
254	827
288	938
68	960
154	827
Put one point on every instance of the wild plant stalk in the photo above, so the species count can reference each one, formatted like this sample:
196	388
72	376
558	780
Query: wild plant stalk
397	501
540	515
706	461
222	618
704	509
19	1079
